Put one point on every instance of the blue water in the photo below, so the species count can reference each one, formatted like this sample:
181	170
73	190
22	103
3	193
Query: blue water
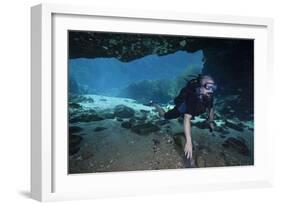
102	74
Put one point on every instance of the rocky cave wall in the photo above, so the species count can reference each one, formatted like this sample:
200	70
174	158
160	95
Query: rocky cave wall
229	61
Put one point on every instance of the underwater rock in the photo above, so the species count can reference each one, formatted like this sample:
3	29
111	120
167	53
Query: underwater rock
80	98
144	111
234	126
201	125
74	143
75	129
97	129
85	117
89	100
241	139
126	124
250	128
156	141
73	105
141	122
123	111
141	118
162	122
74	139
240	124
144	129
221	130
132	121
237	145
108	115
179	139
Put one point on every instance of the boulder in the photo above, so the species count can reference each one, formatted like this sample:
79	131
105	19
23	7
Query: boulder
119	119
140	116
144	129
108	115
179	139
144	111
123	111
85	117
126	124
221	130
73	105
132	121
237	127
238	145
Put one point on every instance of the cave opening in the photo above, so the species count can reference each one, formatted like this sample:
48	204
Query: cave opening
139	79
229	61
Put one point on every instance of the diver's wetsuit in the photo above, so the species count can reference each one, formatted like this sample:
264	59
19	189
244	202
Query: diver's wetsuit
189	102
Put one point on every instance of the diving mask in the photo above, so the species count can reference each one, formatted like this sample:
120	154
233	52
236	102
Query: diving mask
210	86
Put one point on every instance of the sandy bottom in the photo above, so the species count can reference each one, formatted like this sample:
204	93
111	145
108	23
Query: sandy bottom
119	149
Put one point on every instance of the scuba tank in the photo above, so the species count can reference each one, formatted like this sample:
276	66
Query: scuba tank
192	86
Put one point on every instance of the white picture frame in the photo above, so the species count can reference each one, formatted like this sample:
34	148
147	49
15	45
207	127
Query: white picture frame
49	178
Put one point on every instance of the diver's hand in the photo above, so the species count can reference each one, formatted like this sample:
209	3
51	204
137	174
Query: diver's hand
188	150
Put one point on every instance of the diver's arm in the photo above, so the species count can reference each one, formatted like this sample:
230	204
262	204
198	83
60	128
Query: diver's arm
211	114
211	119
187	132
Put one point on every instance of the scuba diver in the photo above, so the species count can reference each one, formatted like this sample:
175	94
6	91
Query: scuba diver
194	99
